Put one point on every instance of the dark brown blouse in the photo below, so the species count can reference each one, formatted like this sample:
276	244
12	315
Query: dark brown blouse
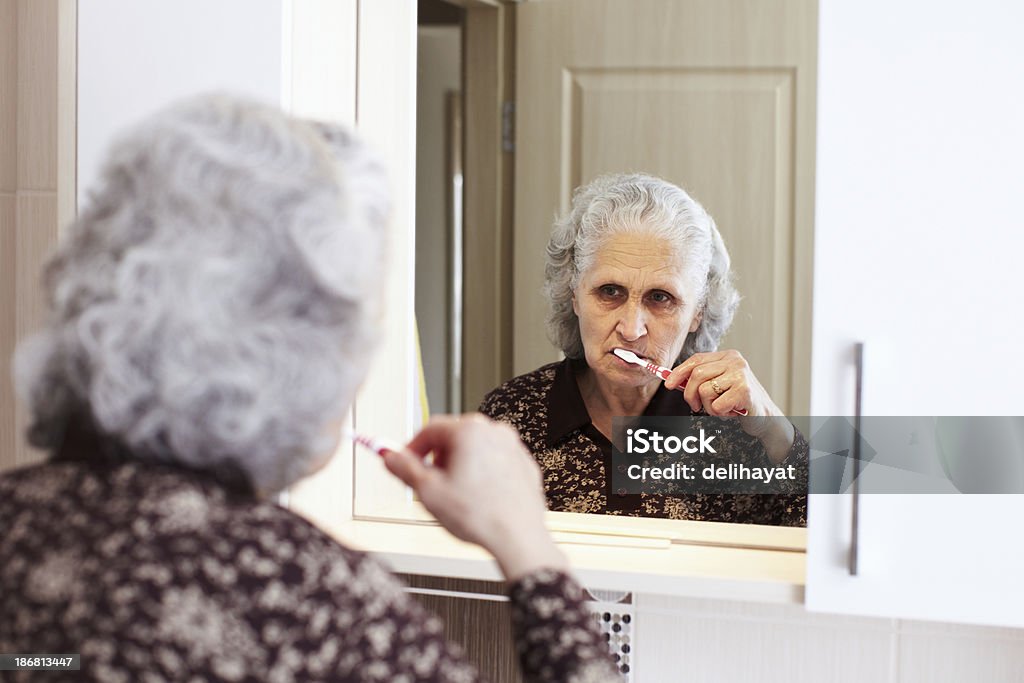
154	573
547	409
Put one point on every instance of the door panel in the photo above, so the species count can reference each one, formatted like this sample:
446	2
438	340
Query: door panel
713	96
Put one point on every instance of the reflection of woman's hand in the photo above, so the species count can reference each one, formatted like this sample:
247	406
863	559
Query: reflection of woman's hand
484	487
719	382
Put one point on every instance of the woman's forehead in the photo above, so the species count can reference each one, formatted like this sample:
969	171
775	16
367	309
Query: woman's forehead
637	256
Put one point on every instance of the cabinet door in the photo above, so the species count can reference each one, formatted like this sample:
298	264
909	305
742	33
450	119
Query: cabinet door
933	557
917	245
716	96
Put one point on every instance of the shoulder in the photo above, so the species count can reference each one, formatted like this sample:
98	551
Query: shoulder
182	530
343	604
519	392
274	549
157	558
522	403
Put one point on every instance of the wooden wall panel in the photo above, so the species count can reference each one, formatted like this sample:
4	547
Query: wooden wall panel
37	95
7	325
36	216
8	95
36	238
8	188
483	627
37	179
67	113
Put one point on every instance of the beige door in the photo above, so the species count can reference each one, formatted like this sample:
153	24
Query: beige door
716	96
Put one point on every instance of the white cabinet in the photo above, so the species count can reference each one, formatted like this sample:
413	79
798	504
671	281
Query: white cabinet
935	558
917	240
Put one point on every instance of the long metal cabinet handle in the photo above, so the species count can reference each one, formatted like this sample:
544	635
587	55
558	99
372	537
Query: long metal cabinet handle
858	351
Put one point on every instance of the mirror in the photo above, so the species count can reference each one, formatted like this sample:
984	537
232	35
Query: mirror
439	269
730	121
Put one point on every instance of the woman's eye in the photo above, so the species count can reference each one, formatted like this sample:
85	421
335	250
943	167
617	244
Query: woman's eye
609	291
661	297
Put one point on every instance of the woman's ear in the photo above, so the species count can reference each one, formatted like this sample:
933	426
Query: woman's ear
574	308
697	318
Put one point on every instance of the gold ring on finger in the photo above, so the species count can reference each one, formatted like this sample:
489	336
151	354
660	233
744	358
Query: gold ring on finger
717	387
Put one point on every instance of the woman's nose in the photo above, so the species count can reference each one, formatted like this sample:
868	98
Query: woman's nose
632	323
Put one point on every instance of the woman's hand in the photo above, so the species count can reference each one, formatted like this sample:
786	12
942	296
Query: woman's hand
719	382
484	487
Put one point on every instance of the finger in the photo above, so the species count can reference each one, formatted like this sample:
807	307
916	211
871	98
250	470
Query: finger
705	372
436	436
681	374
407	467
728	358
705	357
737	399
691	394
431	487
700	376
730	403
707	396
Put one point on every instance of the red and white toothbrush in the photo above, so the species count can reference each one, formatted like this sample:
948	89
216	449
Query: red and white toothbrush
378	446
657	370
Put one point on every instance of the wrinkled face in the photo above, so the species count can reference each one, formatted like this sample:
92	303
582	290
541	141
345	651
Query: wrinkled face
637	295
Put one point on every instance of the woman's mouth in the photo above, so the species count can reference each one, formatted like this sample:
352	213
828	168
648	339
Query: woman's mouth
623	361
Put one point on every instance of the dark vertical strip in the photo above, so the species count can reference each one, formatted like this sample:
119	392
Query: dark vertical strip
858	350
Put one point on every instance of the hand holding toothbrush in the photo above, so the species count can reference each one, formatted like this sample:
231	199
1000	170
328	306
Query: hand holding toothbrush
484	487
721	383
664	373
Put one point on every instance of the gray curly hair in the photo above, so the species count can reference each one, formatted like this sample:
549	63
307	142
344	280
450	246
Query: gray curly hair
629	203
214	302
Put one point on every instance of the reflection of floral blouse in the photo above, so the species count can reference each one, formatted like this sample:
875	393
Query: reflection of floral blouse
152	572
546	407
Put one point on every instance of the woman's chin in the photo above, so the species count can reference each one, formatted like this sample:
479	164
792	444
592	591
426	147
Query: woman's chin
624	375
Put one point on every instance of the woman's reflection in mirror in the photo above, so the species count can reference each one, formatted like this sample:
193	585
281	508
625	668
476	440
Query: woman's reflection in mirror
638	264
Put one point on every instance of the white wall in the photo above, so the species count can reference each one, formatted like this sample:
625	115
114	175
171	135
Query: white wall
920	225
135	57
695	640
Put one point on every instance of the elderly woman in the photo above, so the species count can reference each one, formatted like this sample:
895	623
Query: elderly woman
638	265
213	308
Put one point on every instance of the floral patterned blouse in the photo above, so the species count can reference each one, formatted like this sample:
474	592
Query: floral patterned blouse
153	572
546	408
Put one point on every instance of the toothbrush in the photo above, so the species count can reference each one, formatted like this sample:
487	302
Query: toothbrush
656	370
378	446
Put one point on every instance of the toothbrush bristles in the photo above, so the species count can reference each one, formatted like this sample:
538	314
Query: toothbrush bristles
377	445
